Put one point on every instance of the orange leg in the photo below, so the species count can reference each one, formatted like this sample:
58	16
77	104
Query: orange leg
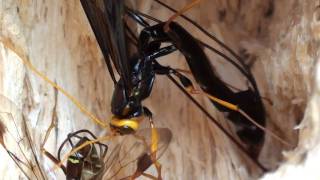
231	106
154	148
181	11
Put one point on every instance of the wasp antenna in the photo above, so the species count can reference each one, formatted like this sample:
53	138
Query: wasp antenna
180	12
143	15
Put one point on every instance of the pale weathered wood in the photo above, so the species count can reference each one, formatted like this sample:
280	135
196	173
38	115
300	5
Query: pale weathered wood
281	36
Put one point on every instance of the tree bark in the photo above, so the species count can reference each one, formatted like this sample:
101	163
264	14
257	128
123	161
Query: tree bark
280	38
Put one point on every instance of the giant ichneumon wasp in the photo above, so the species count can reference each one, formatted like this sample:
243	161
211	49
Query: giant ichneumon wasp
137	73
154	141
138	69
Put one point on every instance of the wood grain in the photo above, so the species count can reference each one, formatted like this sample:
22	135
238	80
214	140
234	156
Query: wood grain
280	37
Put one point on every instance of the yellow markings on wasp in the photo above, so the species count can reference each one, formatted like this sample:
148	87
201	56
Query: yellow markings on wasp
104	138
154	140
74	161
25	60
154	149
133	123
179	13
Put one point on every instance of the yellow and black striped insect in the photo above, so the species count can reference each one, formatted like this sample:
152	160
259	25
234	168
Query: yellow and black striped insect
87	158
88	162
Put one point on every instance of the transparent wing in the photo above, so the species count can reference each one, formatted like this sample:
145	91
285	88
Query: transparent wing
134	153
106	20
15	139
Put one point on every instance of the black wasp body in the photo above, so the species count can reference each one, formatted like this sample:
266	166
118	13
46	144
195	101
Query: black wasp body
204	74
137	72
144	71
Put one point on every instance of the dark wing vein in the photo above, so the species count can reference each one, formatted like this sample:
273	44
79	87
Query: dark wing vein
106	20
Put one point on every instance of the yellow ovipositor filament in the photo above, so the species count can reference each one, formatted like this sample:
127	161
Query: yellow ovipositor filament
19	52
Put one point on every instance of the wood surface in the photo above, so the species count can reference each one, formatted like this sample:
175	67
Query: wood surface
280	37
